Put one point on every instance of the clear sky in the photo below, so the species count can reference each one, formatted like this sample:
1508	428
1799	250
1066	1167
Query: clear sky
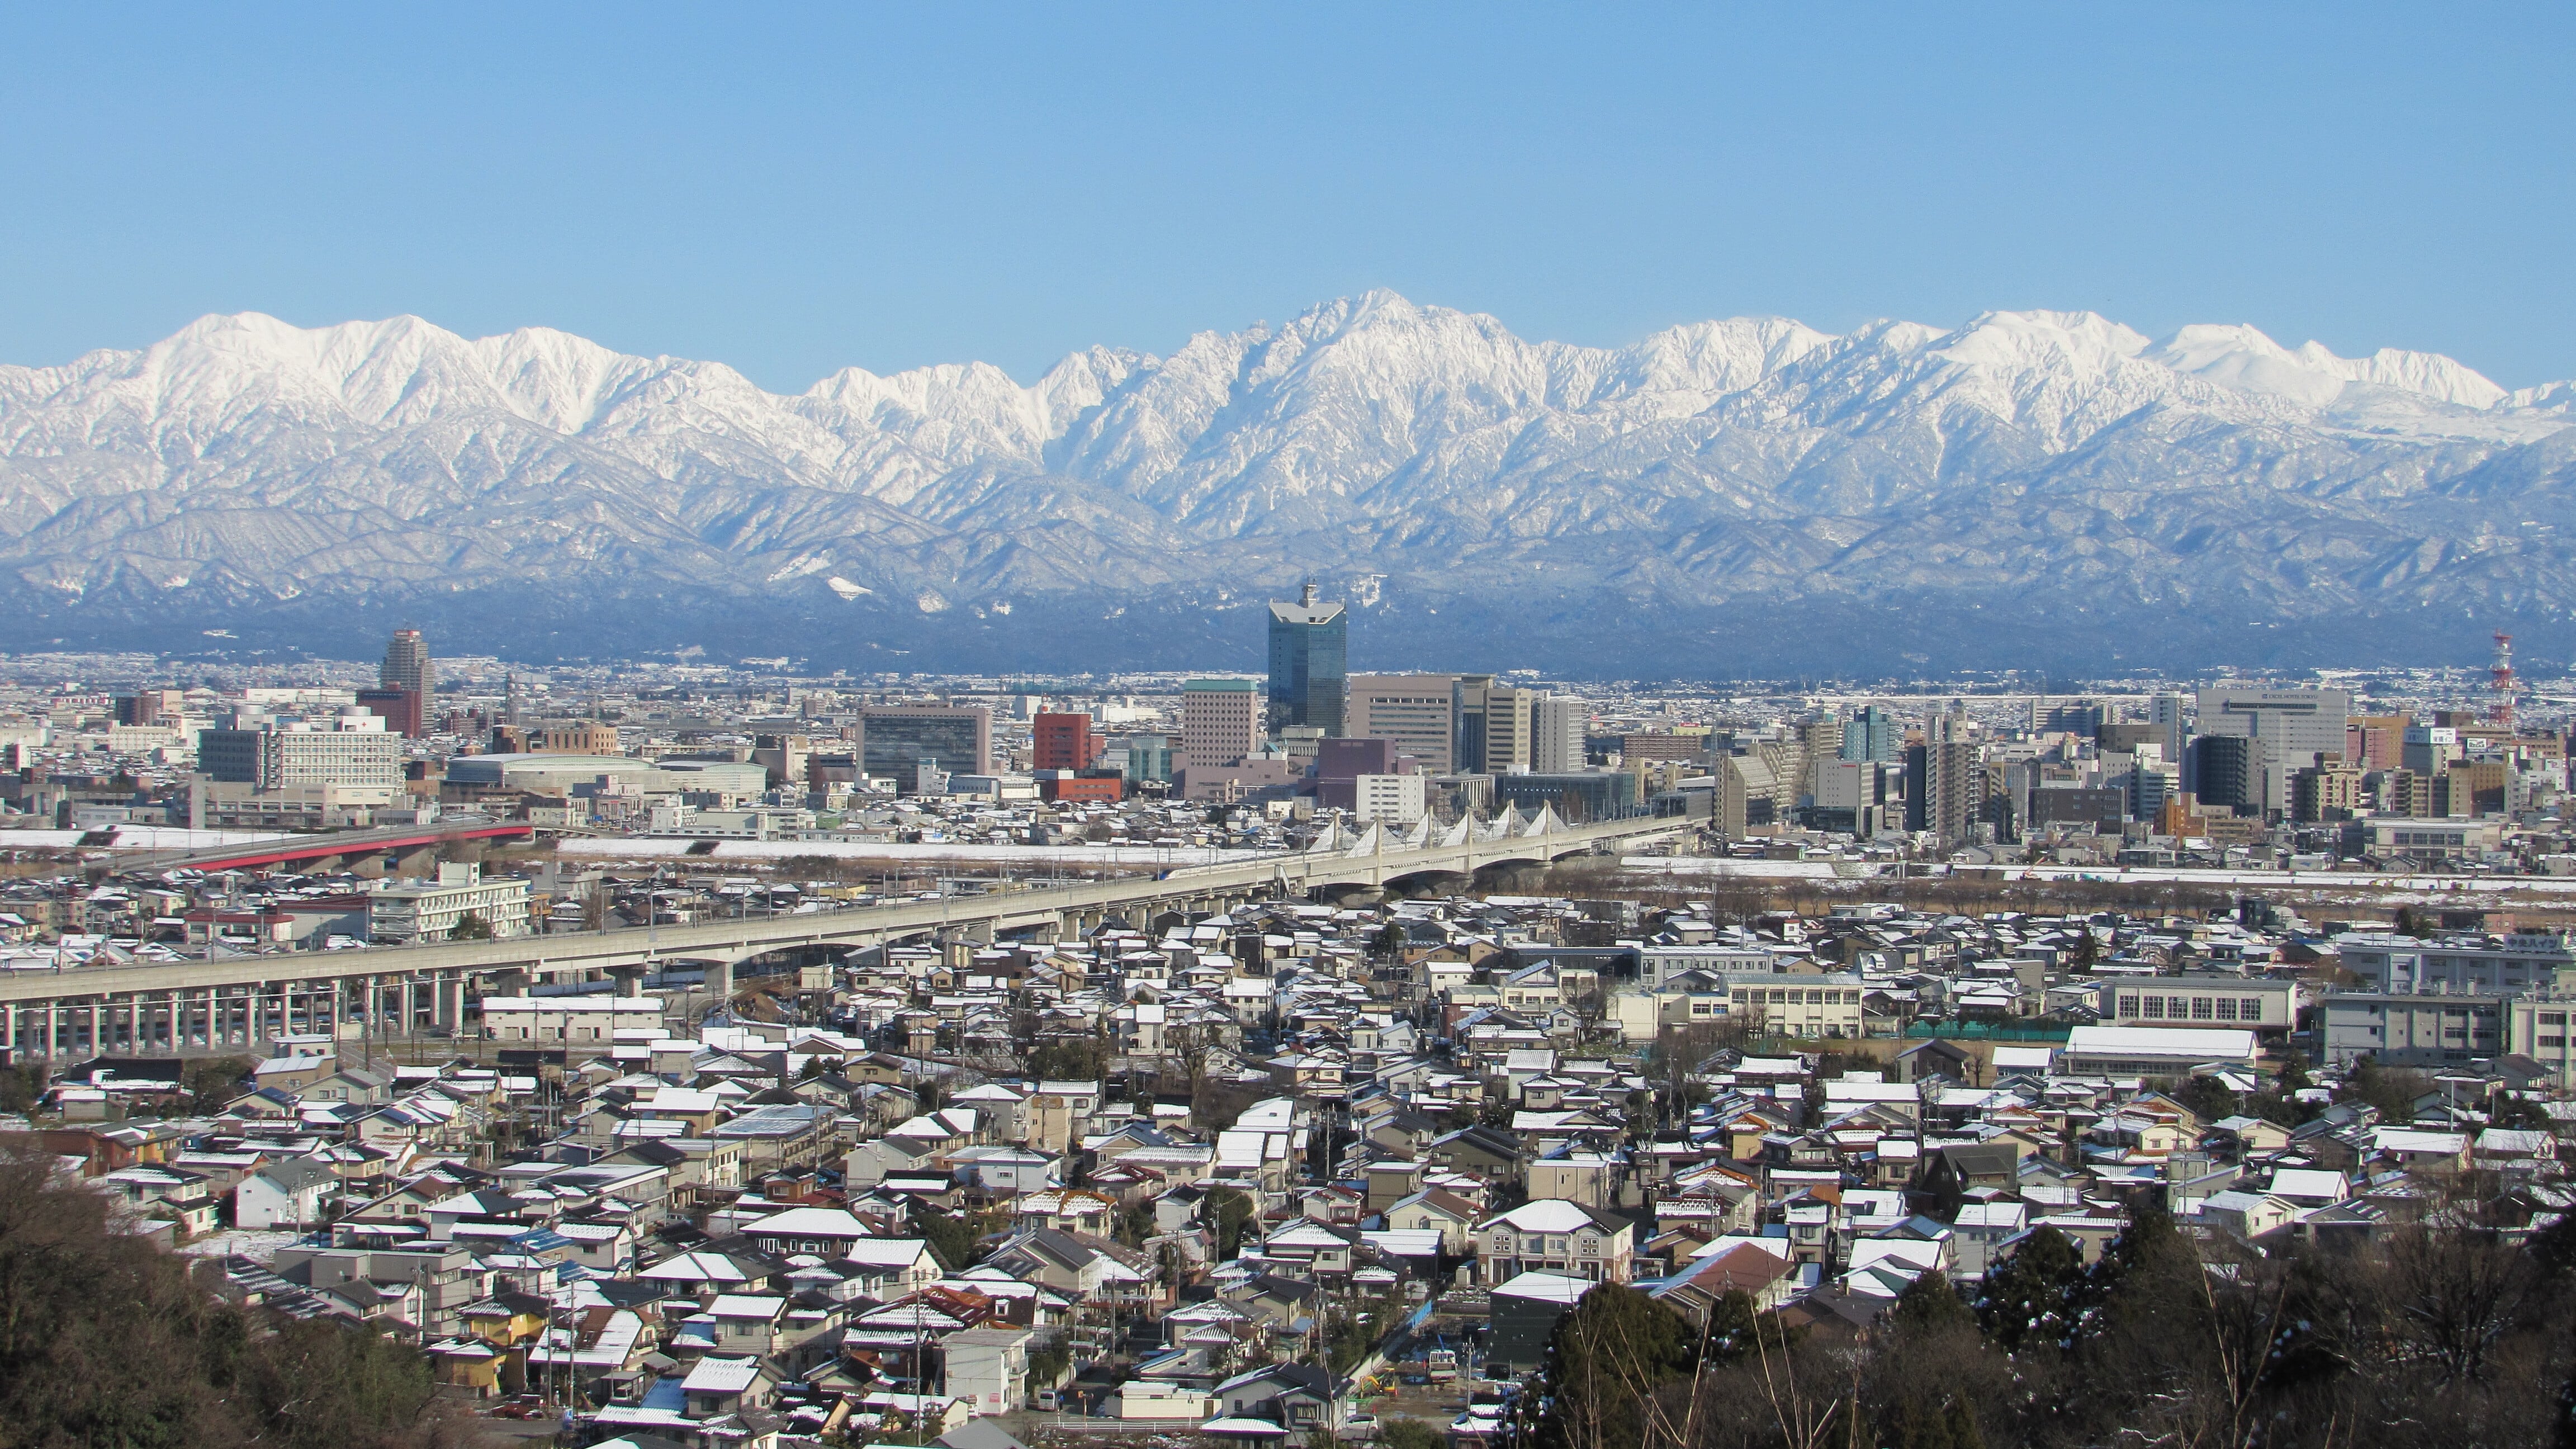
793	190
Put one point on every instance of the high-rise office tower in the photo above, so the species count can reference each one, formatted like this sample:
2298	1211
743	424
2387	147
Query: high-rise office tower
2295	726
1220	722
1493	726
2226	772
895	740
1417	711
2173	730
1873	734
1557	724
1309	654
407	664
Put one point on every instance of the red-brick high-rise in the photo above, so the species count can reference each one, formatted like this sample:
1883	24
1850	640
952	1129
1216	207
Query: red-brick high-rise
1064	742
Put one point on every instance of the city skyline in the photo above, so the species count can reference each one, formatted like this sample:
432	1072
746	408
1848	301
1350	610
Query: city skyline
1434	727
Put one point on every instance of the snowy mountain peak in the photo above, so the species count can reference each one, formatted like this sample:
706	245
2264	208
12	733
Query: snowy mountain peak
2242	357
244	464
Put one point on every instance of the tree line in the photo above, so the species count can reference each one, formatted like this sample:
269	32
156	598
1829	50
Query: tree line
107	1343
2442	1333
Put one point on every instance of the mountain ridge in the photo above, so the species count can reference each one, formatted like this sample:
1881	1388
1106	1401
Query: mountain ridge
2030	485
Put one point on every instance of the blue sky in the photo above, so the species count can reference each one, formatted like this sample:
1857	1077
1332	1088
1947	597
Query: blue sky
793	190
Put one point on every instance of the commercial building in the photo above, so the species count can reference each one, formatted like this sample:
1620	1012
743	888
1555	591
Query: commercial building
896	740
407	664
1220	721
1395	799
2401	1029
2294	726
1873	734
2173	729
2434	838
1417	711
1066	787
350	751
1557	723
230	805
2100	807
1493	726
2326	790
2152	781
1578	797
1140	757
1062	742
2226	772
151	707
410	913
471	777
400	709
588	737
1309	652
2199	1000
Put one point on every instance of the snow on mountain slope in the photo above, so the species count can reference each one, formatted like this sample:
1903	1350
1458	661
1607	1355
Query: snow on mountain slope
244	463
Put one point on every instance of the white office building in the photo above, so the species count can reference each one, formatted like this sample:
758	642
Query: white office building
1395	799
2295	726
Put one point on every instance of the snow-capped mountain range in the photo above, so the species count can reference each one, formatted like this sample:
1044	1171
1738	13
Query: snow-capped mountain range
2029	488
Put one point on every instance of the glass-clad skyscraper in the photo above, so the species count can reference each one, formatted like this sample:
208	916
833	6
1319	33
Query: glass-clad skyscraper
1309	669
1873	734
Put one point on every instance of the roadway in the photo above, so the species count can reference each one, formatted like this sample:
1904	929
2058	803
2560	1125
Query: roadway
1374	860
290	849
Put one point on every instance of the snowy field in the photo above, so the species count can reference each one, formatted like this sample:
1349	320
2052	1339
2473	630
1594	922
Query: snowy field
259	1246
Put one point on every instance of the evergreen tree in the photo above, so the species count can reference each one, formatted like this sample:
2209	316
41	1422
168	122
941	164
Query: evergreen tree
1930	1305
2032	1298
1605	1361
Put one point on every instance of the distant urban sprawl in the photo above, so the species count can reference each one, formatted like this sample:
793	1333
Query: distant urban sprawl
700	1054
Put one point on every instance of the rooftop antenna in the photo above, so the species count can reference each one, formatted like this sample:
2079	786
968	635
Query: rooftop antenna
2500	683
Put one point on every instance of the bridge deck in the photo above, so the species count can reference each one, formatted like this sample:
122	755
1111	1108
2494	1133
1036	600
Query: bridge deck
731	941
324	846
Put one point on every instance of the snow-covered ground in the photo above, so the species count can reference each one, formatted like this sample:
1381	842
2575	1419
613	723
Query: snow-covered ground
262	1246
